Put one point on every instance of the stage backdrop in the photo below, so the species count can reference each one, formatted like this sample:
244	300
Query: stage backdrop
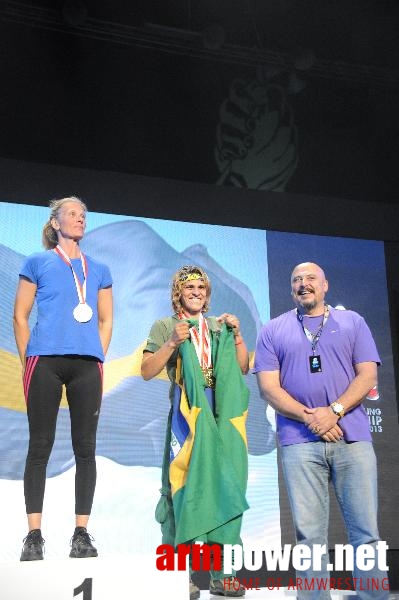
250	274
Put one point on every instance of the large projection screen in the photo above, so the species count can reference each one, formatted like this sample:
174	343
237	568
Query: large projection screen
250	272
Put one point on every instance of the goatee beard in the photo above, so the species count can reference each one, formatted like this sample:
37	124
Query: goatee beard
308	305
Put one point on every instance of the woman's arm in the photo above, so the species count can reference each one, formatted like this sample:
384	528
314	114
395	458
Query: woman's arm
105	316
24	300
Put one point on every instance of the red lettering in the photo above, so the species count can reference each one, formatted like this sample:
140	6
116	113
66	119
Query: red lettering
226	583
236	583
211	557
322	584
299	584
309	584
270	584
385	583
250	583
183	551
291	583
166	562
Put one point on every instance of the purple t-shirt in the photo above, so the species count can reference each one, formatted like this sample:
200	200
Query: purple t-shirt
345	341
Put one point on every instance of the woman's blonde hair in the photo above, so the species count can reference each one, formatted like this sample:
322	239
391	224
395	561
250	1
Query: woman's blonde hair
49	234
181	277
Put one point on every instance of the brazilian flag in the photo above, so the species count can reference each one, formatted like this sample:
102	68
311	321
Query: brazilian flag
205	466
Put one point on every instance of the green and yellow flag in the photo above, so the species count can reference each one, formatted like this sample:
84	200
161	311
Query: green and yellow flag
206	463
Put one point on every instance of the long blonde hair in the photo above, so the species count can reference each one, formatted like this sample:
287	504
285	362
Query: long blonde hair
49	234
181	277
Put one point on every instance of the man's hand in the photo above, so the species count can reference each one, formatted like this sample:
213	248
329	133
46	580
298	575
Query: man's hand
321	420
335	434
180	334
232	321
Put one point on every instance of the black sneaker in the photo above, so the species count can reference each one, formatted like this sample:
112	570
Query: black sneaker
81	544
33	546
229	588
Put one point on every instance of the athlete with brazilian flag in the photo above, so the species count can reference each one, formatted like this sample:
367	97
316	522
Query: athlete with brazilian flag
205	467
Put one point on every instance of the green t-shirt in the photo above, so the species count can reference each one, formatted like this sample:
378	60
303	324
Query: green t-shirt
160	332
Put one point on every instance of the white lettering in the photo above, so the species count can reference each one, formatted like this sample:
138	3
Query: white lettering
232	558
304	557
319	550
301	557
382	548
365	557
253	560
278	559
346	550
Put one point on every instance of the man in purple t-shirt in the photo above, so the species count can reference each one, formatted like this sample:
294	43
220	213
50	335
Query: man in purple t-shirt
314	366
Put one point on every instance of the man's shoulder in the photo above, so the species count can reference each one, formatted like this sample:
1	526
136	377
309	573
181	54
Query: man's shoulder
345	315
165	322
279	321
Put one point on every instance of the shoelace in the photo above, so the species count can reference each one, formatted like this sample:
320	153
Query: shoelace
83	536
33	537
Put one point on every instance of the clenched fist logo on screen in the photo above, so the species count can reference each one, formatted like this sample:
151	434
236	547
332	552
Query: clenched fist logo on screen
256	137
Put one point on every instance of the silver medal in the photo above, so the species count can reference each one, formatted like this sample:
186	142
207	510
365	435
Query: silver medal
82	312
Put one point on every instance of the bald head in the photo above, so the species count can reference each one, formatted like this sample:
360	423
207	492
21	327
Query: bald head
308	266
308	288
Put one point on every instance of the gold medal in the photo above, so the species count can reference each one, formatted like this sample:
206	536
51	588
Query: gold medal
209	378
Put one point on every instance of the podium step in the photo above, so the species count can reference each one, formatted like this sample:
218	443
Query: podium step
117	578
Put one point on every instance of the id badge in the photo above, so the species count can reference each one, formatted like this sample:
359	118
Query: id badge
315	364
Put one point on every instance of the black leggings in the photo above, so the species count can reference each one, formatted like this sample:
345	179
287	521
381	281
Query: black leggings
43	380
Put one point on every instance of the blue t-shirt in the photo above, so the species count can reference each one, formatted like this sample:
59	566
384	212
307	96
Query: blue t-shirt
345	341
56	331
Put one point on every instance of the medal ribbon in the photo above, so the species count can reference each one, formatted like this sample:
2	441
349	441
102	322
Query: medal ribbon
80	288
201	341
314	337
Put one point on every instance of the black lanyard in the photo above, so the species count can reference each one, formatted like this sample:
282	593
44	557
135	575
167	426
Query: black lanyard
314	337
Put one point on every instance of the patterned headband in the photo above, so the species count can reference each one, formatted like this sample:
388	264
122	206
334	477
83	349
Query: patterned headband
190	276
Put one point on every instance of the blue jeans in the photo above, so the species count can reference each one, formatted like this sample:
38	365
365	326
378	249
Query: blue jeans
351	467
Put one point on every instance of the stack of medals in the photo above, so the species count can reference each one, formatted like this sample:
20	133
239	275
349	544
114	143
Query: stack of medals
208	376
202	344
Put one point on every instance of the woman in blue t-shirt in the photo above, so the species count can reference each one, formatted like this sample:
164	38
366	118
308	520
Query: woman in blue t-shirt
66	347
